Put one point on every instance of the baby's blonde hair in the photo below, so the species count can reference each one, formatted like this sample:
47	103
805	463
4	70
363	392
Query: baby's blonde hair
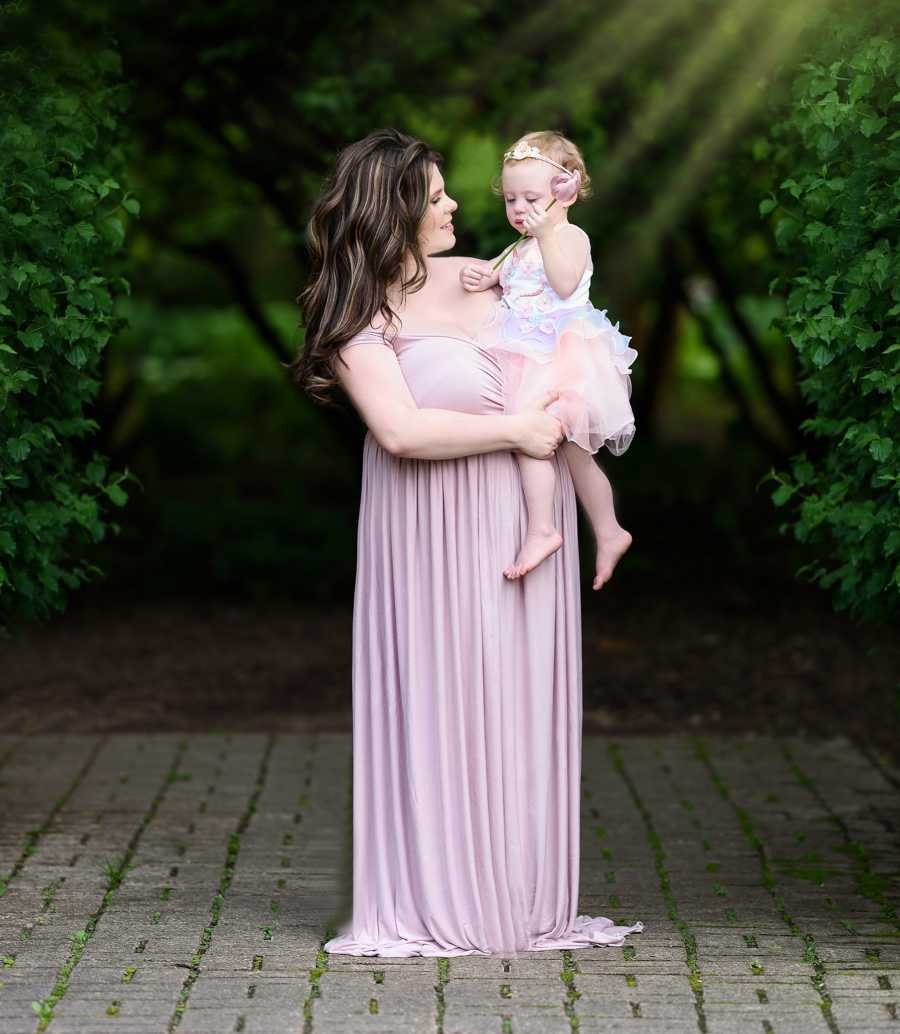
558	147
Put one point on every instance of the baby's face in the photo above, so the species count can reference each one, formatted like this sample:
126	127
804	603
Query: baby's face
526	183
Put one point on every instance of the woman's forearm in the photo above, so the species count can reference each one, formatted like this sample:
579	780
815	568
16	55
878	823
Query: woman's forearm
445	434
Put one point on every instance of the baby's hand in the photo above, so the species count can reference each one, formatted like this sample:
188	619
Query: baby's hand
537	222
477	276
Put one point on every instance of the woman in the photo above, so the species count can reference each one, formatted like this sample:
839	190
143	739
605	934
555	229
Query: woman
466	685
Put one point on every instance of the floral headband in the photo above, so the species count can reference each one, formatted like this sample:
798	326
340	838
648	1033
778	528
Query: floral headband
521	151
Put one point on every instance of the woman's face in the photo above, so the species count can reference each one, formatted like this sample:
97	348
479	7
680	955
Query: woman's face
436	229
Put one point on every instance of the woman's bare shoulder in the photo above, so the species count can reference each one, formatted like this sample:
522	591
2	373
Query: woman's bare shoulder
447	265
444	273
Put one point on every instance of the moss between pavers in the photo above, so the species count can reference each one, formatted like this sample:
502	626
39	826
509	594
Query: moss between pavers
695	977
115	872
770	883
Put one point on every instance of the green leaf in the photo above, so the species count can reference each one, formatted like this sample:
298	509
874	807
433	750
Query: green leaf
881	448
42	299
860	86
106	186
117	495
96	471
32	339
870	125
18	449
112	231
786	230
804	472
782	494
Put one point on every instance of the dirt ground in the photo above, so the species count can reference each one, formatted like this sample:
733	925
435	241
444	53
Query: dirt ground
670	661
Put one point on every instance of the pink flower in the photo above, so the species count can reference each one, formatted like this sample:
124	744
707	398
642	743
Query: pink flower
565	187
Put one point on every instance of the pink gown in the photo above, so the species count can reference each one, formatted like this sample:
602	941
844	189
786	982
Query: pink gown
467	703
541	340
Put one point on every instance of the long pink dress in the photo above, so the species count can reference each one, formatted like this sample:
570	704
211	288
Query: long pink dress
467	702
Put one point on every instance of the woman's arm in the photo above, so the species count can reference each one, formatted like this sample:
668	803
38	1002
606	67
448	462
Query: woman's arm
445	434
376	386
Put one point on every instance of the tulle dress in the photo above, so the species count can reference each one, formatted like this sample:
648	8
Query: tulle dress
541	340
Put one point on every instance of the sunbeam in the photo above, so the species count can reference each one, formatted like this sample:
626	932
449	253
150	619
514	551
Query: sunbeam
535	31
719	45
607	51
732	111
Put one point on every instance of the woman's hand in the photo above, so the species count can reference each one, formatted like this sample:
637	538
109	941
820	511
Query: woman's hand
540	432
478	276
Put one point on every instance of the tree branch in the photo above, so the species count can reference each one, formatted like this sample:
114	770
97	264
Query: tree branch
732	386
705	250
343	423
230	267
660	344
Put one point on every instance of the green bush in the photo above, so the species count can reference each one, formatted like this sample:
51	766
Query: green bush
61	219
836	212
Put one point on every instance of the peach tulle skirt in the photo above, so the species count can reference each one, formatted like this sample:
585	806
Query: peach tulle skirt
577	351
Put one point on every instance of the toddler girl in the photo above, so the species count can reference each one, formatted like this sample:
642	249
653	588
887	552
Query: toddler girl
546	334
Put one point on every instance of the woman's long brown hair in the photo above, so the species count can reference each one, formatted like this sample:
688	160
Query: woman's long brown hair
363	225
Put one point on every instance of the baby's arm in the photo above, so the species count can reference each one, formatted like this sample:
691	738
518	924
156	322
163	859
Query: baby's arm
564	250
479	276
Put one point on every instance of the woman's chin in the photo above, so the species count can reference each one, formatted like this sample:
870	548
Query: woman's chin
447	242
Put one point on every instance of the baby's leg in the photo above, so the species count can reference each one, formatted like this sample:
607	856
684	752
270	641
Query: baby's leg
542	538
595	493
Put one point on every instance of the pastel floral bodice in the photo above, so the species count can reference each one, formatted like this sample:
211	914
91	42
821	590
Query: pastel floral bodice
527	291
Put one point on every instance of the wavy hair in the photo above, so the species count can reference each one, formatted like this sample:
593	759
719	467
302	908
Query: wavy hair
364	223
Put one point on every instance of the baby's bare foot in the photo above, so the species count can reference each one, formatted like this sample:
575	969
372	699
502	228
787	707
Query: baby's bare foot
609	549
538	545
